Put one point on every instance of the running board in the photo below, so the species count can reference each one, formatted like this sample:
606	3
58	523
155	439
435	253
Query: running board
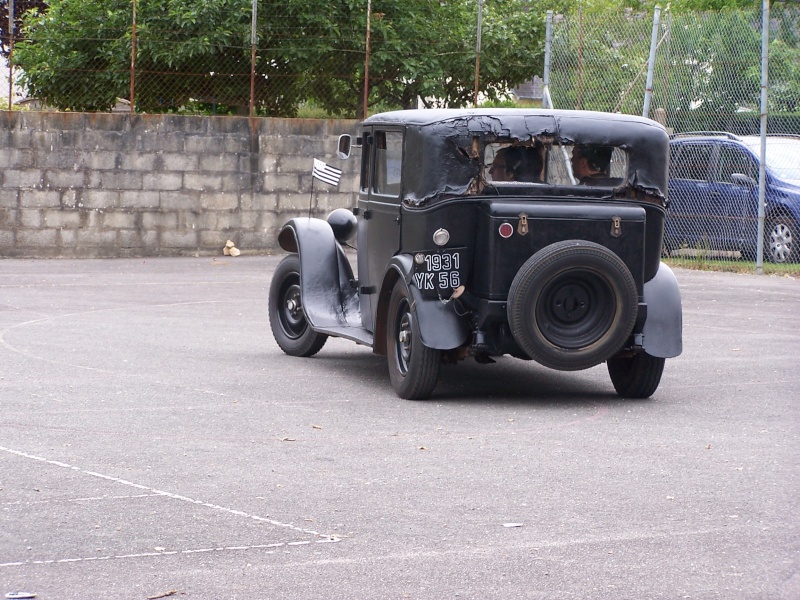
359	335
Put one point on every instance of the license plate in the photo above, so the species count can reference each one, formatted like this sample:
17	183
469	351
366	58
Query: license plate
437	273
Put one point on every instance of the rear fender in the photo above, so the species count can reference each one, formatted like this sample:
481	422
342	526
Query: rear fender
329	297
440	327
663	329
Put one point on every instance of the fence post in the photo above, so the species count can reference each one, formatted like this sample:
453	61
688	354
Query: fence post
133	58
762	176
547	101
10	53
366	60
253	42
579	94
651	62
478	53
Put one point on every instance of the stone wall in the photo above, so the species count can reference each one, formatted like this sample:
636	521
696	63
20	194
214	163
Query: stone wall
116	185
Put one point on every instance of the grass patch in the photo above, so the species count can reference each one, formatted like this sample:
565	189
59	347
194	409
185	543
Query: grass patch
733	266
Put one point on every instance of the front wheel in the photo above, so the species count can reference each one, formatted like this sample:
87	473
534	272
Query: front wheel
780	240
635	376
413	367
286	316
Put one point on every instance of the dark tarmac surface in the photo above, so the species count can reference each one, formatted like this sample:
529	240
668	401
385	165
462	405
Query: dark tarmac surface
155	442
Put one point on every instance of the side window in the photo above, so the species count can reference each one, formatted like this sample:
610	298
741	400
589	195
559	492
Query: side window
733	160
690	161
366	157
388	160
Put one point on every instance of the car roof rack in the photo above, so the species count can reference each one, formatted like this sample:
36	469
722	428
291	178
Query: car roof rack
725	134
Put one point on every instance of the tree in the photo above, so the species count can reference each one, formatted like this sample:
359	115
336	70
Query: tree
427	49
77	55
20	8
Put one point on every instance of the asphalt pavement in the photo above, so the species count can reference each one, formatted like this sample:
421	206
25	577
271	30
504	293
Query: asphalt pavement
156	443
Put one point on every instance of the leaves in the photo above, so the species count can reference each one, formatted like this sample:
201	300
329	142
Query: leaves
78	54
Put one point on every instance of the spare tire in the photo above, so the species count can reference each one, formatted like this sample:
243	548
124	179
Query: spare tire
572	305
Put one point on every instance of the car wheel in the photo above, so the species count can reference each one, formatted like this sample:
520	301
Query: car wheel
780	240
635	376
572	305
286	317
413	367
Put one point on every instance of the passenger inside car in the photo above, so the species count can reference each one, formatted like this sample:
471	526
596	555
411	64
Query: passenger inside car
591	165
517	163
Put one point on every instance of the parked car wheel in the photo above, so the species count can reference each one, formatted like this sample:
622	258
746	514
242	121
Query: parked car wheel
780	240
572	305
635	376
286	317
413	367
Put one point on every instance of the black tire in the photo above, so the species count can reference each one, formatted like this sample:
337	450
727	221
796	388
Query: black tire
781	242
635	376
572	305
413	367
286	317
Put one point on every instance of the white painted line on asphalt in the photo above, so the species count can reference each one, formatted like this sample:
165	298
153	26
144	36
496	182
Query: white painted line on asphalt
166	494
77	500
269	547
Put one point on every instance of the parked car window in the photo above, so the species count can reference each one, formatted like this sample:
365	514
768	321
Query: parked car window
691	161
734	160
388	159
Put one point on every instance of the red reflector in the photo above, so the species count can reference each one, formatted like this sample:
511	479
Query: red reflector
506	230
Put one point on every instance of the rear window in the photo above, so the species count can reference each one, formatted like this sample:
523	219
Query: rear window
558	165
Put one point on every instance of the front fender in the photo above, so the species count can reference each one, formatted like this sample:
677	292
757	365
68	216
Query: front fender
440	327
329	299
663	329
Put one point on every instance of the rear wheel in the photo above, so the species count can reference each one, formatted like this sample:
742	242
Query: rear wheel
635	376
413	367
286	316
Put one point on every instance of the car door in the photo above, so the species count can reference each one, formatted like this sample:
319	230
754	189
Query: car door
379	214
691	216
735	191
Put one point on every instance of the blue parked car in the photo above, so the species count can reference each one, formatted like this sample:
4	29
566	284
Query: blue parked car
713	194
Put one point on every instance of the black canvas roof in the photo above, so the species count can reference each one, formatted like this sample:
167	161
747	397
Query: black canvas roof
446	138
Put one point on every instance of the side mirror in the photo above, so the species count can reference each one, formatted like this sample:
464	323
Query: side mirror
344	146
744	180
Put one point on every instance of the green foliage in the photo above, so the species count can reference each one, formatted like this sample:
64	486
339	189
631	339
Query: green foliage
424	49
711	83
75	54
20	8
192	54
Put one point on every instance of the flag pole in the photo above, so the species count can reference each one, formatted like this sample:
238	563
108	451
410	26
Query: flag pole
311	199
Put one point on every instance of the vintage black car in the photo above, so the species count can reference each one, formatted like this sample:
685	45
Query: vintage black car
486	232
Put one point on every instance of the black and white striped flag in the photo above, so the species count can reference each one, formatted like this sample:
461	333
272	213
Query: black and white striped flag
326	173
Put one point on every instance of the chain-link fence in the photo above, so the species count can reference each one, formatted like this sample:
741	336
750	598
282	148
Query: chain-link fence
269	58
310	59
705	87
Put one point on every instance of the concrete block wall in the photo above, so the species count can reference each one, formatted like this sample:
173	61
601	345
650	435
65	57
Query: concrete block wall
116	185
